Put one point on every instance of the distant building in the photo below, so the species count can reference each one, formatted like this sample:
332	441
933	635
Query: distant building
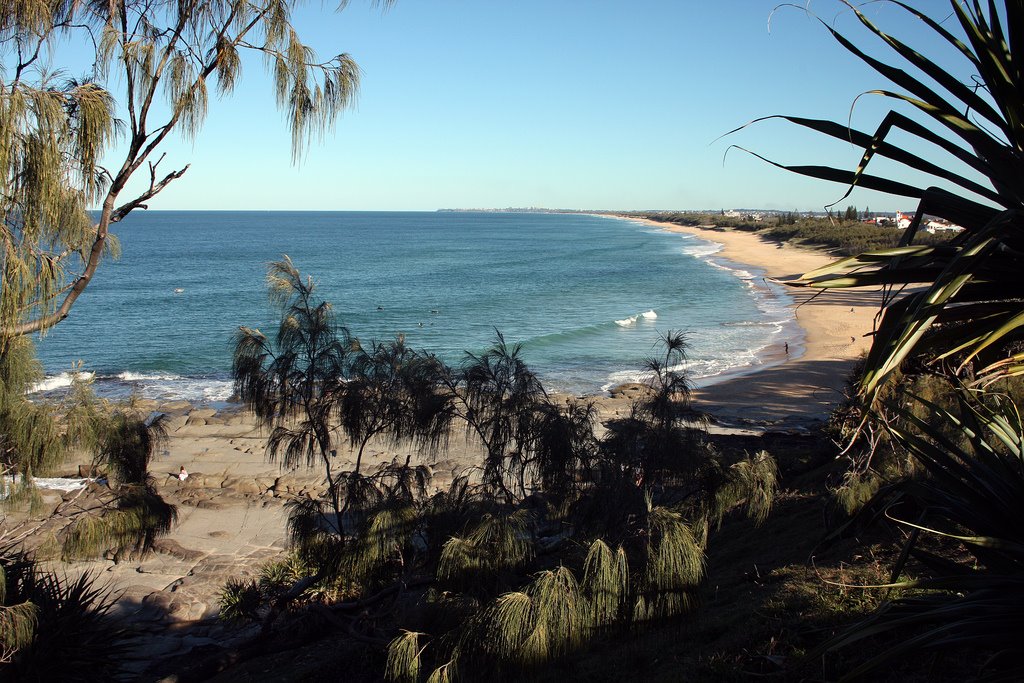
934	227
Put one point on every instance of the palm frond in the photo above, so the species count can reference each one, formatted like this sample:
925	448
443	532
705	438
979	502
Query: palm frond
973	495
981	130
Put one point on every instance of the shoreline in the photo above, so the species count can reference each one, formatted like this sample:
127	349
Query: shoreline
795	389
232	514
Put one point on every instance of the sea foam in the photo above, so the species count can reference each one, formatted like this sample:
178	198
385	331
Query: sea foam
631	320
61	381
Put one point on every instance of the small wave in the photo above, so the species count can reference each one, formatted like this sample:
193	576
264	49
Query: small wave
703	250
219	391
170	387
129	376
638	376
60	381
755	323
50	483
160	386
632	320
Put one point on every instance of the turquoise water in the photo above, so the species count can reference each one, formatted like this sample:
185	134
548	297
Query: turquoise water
572	288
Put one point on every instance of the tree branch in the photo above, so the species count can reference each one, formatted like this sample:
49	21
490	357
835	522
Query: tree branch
96	253
154	189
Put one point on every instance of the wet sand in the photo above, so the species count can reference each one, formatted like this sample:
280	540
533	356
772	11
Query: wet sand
801	387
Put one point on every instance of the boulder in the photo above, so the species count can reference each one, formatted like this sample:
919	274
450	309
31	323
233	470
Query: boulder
168	546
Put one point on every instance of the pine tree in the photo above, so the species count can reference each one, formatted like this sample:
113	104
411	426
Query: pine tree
156	66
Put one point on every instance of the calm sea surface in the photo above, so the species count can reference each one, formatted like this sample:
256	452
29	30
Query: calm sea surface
587	296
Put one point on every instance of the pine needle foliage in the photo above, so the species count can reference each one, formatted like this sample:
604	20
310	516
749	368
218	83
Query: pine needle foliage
606	583
657	443
86	420
498	394
856	490
18	625
751	483
395	393
674	565
403	663
291	384
512	588
20	493
554	614
562	613
128	448
37	436
137	518
314	385
30	438
523	630
443	674
498	543
155	64
386	538
563	448
133	514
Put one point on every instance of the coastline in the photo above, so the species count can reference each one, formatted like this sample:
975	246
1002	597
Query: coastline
802	387
232	511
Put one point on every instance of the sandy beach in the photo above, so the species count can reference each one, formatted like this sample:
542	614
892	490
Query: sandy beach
232	508
798	388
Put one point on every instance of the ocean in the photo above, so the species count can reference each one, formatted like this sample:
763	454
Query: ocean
587	296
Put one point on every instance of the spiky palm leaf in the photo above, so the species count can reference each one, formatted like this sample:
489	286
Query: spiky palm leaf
968	303
239	600
72	637
974	494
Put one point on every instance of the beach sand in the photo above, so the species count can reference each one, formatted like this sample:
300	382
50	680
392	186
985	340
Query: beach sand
232	508
801	387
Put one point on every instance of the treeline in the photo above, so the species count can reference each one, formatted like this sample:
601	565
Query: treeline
842	236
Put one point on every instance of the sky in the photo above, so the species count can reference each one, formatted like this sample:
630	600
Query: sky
550	103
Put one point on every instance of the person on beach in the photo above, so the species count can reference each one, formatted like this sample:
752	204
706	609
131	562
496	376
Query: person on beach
183	474
787	348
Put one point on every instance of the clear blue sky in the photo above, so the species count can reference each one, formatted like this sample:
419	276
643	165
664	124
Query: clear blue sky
564	104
